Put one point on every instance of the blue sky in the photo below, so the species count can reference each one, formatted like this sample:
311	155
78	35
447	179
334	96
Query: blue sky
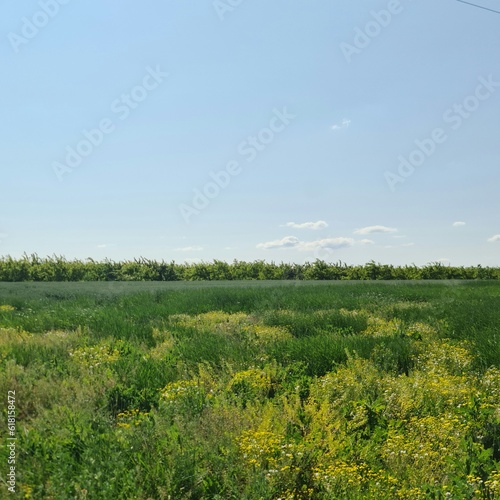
286	130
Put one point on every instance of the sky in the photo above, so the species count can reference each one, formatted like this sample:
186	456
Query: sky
289	130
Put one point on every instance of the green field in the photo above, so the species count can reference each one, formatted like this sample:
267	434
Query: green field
252	390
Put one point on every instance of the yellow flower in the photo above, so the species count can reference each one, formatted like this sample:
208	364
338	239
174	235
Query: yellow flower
127	418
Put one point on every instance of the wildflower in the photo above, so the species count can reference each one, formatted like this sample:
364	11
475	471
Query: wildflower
94	356
130	417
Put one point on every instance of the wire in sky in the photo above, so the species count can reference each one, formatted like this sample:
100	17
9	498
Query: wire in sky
479	6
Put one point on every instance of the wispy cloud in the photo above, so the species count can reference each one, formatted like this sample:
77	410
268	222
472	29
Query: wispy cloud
286	242
321	224
458	224
404	245
343	124
375	229
494	239
327	243
367	242
293	242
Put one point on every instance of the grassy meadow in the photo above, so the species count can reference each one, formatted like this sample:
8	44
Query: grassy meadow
252	390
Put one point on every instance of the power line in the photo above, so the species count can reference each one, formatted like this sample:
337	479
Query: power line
479	6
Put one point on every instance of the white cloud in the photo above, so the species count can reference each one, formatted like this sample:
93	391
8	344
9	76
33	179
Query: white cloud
293	242
458	224
321	224
367	242
102	246
189	249
286	242
327	243
343	124
494	239
375	229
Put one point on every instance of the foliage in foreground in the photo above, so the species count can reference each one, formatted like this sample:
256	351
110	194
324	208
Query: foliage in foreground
312	393
56	268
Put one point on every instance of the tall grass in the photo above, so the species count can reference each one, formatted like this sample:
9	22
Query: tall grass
242	391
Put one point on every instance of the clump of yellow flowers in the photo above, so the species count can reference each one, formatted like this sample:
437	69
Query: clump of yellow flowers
130	418
93	356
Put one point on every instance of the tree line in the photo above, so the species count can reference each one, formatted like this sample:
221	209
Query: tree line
57	268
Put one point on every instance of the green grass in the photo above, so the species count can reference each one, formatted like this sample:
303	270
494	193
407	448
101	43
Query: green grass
253	390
